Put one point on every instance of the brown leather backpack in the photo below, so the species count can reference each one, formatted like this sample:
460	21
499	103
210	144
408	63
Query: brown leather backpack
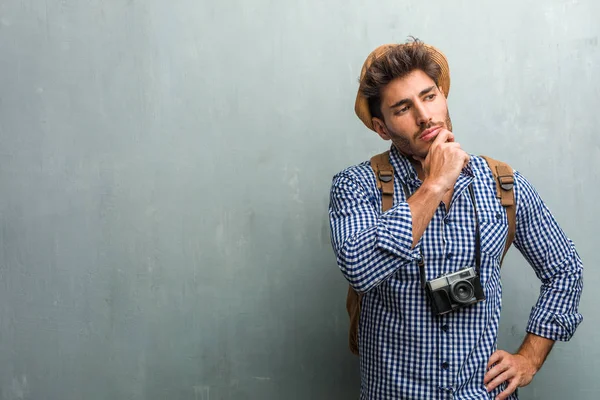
384	174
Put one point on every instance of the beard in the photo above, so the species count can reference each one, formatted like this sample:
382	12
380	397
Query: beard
405	143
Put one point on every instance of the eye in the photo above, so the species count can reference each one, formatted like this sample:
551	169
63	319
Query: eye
402	110
430	97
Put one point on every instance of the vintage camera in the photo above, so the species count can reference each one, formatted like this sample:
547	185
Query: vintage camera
455	290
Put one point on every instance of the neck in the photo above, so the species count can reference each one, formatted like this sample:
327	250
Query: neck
416	164
418	168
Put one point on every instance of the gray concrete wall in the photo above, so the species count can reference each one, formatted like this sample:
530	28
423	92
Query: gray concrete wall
165	167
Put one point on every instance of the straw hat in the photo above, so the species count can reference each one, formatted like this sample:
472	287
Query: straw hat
362	105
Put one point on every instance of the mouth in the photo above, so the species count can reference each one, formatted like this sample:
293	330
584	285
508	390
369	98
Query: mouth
430	133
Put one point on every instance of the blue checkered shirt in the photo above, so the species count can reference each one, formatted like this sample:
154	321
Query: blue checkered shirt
405	351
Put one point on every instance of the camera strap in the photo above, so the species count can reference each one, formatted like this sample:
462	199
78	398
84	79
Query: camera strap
477	232
477	238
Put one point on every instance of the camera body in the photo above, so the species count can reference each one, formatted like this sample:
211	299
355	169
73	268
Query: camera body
455	290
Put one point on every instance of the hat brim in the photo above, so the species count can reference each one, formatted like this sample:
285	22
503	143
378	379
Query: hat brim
361	106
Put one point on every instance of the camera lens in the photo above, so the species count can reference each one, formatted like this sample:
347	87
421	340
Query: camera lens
463	291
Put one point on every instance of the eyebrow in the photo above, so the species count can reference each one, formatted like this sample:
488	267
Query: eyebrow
404	101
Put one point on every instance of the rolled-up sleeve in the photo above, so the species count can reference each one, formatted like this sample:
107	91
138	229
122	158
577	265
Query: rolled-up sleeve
555	261
369	246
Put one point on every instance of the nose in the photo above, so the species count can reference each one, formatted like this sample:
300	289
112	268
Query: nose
422	116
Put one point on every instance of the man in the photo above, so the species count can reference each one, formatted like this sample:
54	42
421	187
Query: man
445	217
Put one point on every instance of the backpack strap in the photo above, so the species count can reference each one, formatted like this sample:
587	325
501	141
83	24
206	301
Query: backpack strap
353	301
504	178
384	175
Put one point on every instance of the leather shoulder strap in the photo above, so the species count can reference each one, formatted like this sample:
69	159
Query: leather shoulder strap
504	177
384	175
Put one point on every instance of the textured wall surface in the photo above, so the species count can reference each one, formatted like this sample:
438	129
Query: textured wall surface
165	168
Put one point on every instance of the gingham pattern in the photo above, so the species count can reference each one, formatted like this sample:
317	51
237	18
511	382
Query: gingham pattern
406	352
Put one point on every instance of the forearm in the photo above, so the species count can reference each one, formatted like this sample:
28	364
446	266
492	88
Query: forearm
423	204
535	348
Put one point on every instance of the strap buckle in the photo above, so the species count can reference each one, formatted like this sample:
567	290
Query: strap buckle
386	175
506	182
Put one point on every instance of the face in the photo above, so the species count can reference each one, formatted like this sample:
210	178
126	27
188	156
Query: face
410	105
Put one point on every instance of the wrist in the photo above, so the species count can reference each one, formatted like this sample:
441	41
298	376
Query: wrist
434	188
535	349
533	362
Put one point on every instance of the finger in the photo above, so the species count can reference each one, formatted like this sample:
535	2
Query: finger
467	159
508	391
499	380
496	357
451	144
450	136
494	372
442	137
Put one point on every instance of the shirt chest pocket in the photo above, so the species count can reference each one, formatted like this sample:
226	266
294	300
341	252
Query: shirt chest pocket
493	226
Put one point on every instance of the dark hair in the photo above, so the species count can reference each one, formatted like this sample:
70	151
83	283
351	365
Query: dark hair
398	62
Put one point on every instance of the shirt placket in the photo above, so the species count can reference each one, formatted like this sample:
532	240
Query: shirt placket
446	338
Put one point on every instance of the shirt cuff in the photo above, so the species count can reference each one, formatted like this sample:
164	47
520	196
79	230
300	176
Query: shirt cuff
553	326
395	233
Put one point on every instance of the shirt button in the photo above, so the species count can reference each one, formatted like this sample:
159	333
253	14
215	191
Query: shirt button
447	221
498	216
445	328
449	256
445	365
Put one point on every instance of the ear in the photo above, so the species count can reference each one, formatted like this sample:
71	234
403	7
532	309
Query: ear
380	128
